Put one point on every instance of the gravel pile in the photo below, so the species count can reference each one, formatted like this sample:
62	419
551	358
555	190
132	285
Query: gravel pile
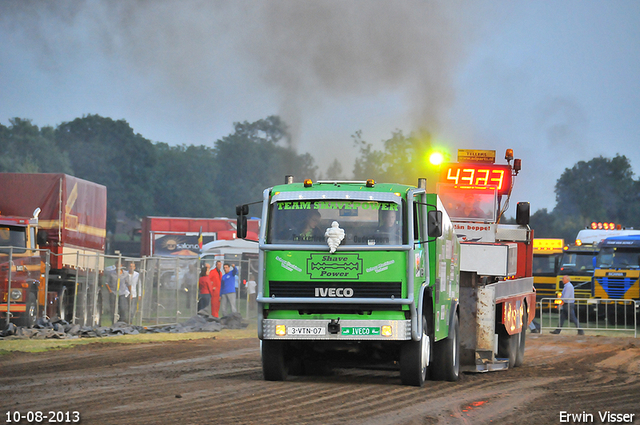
59	329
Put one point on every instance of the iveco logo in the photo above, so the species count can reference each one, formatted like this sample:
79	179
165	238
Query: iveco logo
334	292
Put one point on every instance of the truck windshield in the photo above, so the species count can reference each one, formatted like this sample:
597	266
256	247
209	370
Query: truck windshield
619	258
545	265
364	222
469	203
12	236
578	263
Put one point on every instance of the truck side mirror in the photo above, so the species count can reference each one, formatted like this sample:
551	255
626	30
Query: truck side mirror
434	224
241	225
41	237
522	213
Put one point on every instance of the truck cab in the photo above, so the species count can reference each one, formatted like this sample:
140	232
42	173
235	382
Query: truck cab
22	282
617	272
357	273
578	262
547	256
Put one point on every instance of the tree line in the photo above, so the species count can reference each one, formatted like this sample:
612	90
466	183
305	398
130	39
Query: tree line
145	178
154	179
600	190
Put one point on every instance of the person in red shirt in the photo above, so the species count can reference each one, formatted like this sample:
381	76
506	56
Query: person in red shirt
216	277
205	287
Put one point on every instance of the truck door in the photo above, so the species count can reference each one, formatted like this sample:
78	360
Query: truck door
419	238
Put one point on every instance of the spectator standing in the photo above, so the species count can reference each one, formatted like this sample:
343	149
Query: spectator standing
129	293
228	290
111	276
216	280
123	298
568	309
251	291
205	288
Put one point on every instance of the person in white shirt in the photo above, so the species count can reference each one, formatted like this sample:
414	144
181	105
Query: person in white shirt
129	293
568	309
251	291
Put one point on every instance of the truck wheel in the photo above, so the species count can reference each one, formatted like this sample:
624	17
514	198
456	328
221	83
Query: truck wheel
414	359
446	356
31	312
523	337
273	365
508	346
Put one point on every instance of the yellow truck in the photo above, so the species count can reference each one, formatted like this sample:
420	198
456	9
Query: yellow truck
547	253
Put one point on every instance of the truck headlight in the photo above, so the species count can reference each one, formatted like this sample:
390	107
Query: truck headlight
16	295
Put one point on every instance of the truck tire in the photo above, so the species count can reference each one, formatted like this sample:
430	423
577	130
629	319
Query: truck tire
508	346
523	337
31	312
446	356
414	359
273	364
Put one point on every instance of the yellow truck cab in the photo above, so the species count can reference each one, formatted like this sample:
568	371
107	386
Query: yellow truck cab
547	253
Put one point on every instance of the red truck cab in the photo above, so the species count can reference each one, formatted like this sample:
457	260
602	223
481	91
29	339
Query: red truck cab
22	271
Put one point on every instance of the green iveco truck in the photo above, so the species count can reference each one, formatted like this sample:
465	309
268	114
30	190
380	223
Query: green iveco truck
369	274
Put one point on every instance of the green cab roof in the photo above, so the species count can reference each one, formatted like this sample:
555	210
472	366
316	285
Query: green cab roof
401	189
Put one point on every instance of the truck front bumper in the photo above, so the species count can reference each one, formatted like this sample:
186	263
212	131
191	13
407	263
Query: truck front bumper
341	330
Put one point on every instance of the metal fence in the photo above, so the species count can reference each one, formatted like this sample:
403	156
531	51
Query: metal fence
167	291
96	289
595	315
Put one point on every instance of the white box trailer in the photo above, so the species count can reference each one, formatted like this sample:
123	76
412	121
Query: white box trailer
489	259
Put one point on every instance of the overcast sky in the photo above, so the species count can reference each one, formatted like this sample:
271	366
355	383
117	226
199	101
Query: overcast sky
557	81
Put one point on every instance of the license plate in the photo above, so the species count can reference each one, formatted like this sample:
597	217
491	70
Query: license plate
306	330
360	330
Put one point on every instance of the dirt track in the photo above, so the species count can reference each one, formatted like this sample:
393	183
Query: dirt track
220	381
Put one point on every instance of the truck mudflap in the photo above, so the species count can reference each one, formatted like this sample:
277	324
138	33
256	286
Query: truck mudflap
343	330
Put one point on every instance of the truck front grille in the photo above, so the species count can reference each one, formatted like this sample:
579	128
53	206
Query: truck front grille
616	288
321	289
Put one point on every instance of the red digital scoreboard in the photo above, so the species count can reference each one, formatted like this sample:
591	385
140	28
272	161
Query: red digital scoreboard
478	174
